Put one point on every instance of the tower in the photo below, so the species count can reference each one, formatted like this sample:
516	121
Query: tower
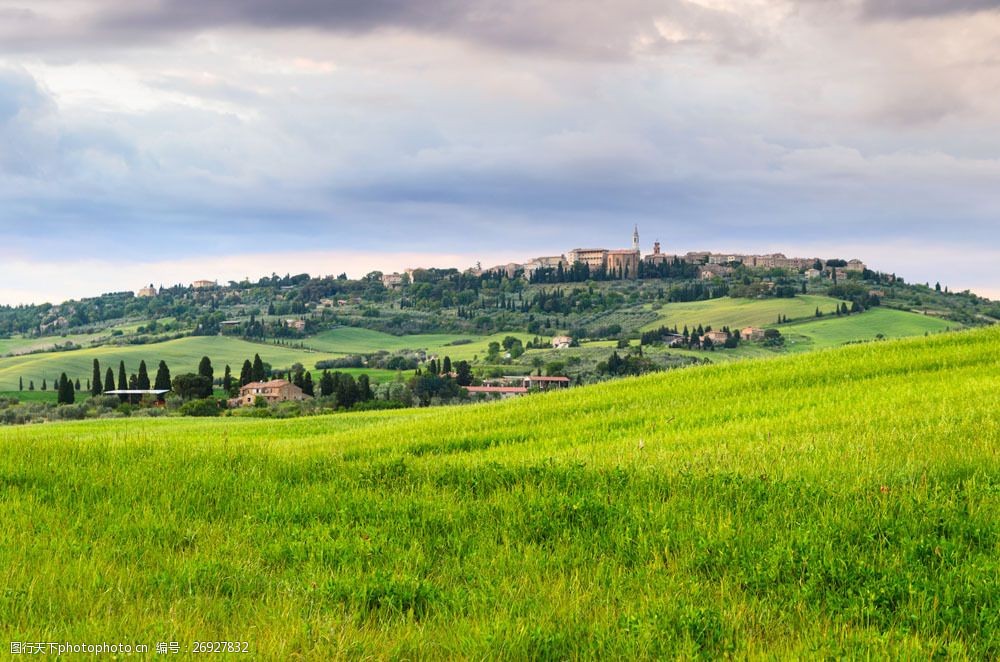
635	238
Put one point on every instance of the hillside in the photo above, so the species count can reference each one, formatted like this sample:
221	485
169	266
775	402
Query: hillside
840	503
739	313
182	355
831	331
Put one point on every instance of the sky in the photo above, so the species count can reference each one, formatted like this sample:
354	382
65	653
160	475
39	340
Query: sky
163	141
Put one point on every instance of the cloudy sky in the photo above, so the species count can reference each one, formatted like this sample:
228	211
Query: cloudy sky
166	140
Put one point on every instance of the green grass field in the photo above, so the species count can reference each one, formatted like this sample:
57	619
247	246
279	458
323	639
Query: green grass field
352	340
841	503
831	331
739	313
30	396
181	355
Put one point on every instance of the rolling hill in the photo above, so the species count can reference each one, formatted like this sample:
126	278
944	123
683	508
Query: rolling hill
836	504
739	313
182	355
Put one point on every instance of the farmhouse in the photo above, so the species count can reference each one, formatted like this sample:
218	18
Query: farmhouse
147	291
752	333
298	325
276	390
201	284
392	281
497	391
562	342
541	383
717	337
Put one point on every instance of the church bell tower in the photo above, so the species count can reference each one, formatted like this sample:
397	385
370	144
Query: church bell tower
635	238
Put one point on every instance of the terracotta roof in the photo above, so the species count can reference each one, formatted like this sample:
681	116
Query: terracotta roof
496	389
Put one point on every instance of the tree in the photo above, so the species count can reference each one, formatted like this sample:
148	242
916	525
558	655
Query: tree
205	369
326	384
246	373
20	383
446	366
65	395
44	385
227	379
463	373
109	380
96	387
31	384
190	386
365	388
76	384
122	381
307	384
162	382
258	369
142	381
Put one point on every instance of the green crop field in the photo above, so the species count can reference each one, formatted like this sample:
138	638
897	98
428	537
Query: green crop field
841	503
31	396
21	345
739	313
831	330
352	340
181	355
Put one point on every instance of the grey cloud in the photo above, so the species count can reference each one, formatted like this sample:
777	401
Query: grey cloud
588	29
889	9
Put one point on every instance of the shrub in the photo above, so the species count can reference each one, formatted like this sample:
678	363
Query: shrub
206	407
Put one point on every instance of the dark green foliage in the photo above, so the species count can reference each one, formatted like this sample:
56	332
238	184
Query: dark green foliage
246	373
190	386
200	407
258	374
142	379
96	385
162	377
463	372
205	369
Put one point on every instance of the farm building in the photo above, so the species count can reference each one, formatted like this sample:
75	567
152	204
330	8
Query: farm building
561	342
276	390
498	391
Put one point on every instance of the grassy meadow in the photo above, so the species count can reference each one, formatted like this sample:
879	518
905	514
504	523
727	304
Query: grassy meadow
831	331
182	355
838	504
739	313
353	340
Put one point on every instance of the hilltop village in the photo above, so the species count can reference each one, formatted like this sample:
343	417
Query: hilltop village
630	263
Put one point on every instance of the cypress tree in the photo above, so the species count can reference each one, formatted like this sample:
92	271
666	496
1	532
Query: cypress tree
96	387
44	385
122	381
162	377
109	380
20	383
246	373
307	384
77	384
258	369
142	381
205	368
227	379
326	383
446	369
31	384
365	389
